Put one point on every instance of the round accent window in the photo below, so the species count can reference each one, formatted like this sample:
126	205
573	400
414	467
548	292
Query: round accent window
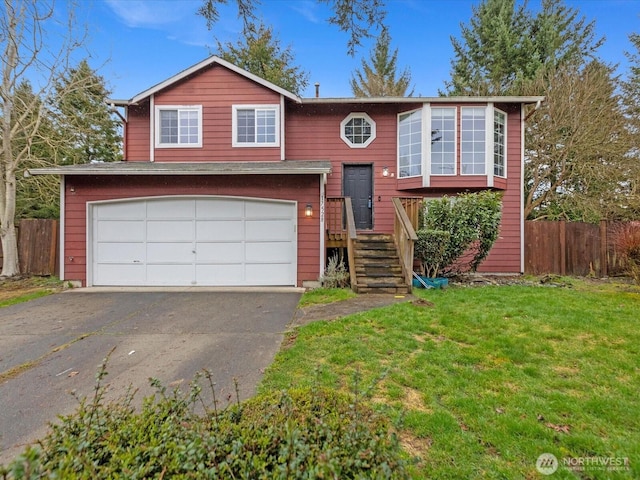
358	130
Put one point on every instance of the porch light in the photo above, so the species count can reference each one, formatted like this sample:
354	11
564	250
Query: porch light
385	171
308	211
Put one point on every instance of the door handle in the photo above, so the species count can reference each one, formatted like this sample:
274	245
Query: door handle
369	202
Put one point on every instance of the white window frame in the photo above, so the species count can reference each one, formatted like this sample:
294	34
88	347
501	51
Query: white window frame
343	126
487	132
422	141
263	107
455	141
177	108
506	139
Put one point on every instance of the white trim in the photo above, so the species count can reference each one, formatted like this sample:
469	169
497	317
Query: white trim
455	140
474	107
506	139
408	112
488	143
203	64
63	204
179	109
323	253
282	130
255	107
426	145
152	116
350	117
521	185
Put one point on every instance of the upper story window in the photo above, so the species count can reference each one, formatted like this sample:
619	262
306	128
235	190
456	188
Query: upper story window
358	130
410	144
178	126
499	141
443	141
473	146
256	126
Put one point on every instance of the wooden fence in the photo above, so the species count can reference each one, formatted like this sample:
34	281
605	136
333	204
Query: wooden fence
38	247
571	248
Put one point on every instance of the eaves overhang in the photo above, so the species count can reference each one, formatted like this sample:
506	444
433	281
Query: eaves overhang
413	100
286	167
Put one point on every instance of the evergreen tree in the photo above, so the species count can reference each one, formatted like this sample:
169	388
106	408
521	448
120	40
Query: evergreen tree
378	77
505	46
85	126
260	53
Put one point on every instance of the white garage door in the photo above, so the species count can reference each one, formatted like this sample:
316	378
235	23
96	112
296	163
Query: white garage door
194	241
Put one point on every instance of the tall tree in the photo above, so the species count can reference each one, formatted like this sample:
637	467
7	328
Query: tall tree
259	51
357	18
506	45
86	128
631	94
28	49
577	167
378	76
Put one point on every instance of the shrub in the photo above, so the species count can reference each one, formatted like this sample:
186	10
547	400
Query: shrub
472	222
627	243
301	433
336	274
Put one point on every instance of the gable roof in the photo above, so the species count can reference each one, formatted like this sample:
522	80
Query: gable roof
213	60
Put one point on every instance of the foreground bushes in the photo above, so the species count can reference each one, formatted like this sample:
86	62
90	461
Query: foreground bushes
304	433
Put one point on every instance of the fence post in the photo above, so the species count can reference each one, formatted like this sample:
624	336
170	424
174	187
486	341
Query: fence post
604	262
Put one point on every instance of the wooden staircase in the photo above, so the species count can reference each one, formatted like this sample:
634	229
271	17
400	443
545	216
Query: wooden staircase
377	265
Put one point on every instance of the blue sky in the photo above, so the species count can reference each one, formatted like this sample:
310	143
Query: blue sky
135	44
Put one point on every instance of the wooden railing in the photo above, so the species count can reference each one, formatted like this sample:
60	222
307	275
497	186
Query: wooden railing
335	222
405	238
351	238
412	207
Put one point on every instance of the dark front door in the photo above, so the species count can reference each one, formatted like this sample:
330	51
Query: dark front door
358	184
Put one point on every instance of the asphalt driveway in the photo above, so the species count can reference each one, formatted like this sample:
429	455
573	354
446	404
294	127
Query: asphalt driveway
54	345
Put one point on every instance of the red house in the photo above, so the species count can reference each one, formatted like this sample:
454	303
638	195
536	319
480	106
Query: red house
230	180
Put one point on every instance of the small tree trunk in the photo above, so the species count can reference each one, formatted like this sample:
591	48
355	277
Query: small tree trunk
9	241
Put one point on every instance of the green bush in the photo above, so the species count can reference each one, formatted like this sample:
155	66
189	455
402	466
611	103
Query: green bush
472	222
296	434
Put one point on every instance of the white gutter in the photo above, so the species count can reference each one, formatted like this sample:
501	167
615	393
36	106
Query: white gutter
62	223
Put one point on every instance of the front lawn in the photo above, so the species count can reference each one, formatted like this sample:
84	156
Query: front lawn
481	381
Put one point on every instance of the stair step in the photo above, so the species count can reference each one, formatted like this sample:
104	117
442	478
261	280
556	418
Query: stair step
401	290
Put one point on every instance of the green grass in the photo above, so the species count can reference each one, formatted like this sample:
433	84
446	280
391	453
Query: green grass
19	290
325	295
487	379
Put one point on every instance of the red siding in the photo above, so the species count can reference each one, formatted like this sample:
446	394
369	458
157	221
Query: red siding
216	89
313	132
80	190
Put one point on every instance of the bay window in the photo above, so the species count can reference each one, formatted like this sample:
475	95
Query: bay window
410	144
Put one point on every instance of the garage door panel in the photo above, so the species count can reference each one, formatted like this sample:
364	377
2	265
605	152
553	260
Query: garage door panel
118	274
222	253
263	230
219	231
120	231
171	253
273	252
121	253
268	274
170	231
219	208
255	209
170	274
171	208
122	210
221	275
194	241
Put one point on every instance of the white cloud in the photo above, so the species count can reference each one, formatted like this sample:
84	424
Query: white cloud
153	13
308	9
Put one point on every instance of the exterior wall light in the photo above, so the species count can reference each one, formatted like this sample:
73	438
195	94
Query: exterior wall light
385	171
308	211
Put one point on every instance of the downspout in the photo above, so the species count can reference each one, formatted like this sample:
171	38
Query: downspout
522	182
